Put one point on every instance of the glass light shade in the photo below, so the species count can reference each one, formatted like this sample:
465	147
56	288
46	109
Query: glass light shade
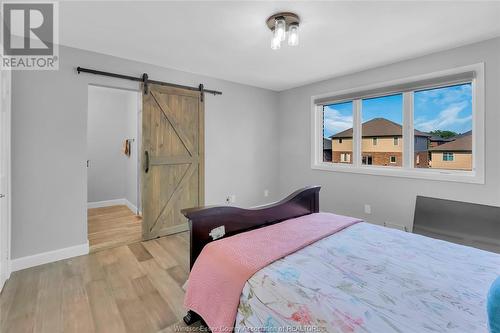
280	28
275	42
293	35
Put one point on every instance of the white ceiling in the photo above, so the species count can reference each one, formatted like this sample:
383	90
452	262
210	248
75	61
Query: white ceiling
229	39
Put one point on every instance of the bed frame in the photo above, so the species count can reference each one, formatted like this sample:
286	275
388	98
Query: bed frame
459	222
206	223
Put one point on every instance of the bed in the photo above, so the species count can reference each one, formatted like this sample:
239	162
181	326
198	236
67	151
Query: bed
356	277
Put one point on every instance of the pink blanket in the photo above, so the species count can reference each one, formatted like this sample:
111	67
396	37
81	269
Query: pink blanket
223	267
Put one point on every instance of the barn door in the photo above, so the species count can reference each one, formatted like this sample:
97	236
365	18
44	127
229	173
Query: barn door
172	158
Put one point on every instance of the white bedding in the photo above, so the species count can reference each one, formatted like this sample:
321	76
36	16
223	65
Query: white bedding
368	278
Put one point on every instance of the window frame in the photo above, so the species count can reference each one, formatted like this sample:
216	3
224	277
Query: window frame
448	154
408	169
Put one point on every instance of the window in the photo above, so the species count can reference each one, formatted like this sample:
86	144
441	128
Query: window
345	158
337	132
382	119
430	126
448	157
443	121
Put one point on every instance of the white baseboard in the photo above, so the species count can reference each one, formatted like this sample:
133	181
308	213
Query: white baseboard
106	203
114	202
131	206
4	275
50	256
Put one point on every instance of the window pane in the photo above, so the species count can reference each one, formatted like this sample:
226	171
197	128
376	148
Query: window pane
382	131
443	128
337	133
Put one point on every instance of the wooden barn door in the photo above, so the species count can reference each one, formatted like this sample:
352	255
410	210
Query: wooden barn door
172	158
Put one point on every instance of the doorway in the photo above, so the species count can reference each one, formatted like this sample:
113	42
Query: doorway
367	160
113	157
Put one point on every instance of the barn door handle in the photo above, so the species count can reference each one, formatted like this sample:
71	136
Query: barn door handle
146	162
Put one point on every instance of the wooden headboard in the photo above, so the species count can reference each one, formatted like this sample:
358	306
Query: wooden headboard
458	222
203	220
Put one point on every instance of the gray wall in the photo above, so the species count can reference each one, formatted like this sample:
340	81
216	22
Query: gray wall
247	142
49	142
392	199
112	119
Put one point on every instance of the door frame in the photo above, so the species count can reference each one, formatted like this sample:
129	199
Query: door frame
138	140
5	131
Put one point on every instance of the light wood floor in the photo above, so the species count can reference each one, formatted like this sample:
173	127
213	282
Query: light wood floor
131	288
112	226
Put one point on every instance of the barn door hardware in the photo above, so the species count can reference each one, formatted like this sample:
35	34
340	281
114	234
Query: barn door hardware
146	81
146	161
202	92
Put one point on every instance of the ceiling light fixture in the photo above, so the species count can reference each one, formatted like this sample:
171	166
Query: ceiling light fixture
281	25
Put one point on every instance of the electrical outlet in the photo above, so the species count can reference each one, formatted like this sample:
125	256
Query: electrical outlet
231	199
266	193
368	209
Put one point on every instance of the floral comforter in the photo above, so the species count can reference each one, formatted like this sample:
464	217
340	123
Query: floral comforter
368	278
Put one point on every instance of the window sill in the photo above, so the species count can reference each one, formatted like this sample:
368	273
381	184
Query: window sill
390	171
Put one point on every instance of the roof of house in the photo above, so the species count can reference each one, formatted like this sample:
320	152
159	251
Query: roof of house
327	144
436	138
468	133
378	127
462	142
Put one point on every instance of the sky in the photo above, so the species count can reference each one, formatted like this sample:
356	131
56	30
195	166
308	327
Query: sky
336	118
448	108
388	107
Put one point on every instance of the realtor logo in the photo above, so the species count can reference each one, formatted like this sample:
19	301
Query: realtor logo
29	36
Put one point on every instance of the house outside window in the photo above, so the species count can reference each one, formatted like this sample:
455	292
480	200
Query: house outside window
406	125
327	150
